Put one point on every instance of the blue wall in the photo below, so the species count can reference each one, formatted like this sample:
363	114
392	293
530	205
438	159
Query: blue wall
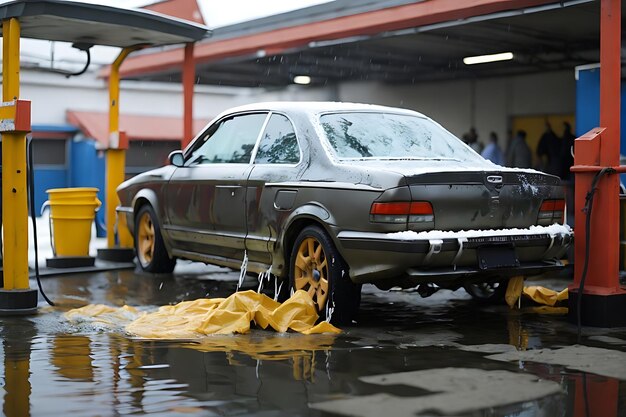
588	104
45	178
86	169
83	168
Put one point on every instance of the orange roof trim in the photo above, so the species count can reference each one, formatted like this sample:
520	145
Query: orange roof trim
183	9
368	23
137	127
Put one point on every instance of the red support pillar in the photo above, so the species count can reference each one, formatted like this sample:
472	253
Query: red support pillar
189	75
604	301
608	200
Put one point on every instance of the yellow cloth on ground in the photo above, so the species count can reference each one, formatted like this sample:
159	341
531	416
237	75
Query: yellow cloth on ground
193	319
514	290
545	296
103	315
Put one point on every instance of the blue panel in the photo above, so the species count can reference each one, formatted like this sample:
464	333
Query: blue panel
46	178
587	101
87	170
54	128
588	106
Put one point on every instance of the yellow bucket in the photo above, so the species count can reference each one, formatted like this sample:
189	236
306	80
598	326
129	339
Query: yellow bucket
85	195
72	211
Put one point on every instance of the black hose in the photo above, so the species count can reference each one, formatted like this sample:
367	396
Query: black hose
31	197
587	210
84	70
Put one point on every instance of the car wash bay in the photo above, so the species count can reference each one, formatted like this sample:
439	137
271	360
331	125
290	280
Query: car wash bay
402	357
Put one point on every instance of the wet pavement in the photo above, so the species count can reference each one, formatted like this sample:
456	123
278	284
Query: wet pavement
444	355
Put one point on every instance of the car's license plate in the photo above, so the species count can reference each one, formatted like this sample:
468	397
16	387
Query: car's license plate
497	256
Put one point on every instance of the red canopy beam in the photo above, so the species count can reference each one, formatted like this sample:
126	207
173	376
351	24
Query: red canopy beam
189	75
368	23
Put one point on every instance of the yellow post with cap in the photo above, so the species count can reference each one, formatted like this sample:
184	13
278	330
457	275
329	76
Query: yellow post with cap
116	157
14	197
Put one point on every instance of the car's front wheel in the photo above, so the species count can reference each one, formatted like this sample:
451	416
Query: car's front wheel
149	245
317	268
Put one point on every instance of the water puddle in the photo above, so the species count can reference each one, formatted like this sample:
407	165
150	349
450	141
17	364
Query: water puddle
406	356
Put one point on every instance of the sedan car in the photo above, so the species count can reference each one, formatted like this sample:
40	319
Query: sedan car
328	196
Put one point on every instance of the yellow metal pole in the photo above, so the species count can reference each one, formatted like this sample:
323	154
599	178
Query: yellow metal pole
115	156
14	197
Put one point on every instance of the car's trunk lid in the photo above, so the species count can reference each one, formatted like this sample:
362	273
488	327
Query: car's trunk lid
489	199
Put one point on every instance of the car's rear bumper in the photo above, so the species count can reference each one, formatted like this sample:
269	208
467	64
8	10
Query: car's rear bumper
441	256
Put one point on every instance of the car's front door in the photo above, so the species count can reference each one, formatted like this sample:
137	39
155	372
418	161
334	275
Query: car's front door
206	197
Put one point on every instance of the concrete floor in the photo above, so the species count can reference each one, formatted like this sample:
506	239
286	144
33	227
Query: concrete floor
444	355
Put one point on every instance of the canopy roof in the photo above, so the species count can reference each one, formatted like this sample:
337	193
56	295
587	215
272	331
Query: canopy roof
389	41
58	20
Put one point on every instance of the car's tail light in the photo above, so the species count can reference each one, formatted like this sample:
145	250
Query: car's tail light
551	211
402	212
421	212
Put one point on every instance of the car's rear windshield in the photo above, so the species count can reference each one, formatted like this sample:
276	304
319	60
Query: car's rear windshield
373	135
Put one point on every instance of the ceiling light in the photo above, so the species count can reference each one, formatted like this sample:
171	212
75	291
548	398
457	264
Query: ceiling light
302	79
482	59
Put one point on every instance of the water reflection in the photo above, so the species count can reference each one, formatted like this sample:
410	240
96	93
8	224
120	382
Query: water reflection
595	396
17	338
117	375
518	336
50	367
71	357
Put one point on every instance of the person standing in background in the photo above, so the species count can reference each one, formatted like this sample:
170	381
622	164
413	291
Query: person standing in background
566	158
549	152
492	151
519	154
473	140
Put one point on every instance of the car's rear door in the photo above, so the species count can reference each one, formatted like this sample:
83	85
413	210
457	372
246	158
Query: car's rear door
206	197
271	197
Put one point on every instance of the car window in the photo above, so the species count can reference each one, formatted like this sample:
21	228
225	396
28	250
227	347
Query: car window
278	144
392	136
231	141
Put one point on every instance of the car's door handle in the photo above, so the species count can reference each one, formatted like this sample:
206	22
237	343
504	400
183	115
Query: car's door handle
228	188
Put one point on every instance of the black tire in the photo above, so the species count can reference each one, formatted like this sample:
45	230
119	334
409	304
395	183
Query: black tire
157	260
343	297
489	292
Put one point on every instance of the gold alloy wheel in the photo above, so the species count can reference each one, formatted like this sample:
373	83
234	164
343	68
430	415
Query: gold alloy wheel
311	271
145	239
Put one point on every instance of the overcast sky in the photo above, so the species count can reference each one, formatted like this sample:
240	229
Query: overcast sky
215	13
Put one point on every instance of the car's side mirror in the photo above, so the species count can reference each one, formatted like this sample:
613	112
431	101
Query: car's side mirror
176	158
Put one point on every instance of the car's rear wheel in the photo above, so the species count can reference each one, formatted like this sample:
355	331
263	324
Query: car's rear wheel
488	292
317	268
149	245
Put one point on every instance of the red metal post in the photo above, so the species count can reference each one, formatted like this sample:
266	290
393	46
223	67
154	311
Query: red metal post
603	297
605	246
189	75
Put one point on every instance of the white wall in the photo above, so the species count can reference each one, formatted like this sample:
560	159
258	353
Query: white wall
487	104
53	94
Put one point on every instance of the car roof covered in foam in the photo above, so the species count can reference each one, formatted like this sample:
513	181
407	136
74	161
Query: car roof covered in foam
317	107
